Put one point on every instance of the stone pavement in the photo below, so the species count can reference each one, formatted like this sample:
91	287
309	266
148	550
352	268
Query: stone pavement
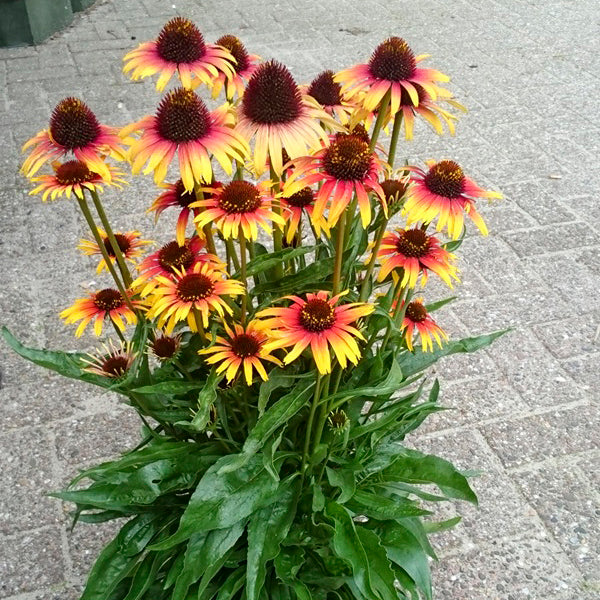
526	410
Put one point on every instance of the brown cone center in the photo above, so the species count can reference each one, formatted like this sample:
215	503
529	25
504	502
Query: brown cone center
122	242
237	49
393	60
240	197
325	90
413	243
301	199
115	366
194	286
348	158
108	299
173	256
165	347
182	117
317	315
416	312
445	179
73	172
73	125
180	41
245	345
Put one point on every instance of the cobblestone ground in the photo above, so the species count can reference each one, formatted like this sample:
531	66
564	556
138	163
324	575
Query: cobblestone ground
526	409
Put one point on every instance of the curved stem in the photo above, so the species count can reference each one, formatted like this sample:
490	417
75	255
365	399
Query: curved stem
85	209
112	239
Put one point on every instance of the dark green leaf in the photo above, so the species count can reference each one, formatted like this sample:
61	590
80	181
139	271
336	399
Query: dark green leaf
298	282
267	528
437	305
382	576
170	388
381	507
206	398
264	262
343	479
223	499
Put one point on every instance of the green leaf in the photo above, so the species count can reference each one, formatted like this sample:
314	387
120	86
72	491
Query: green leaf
382	576
414	363
437	305
206	398
437	526
405	550
203	552
415	467
223	499
145	575
232	584
276	416
303	279
348	546
264	262
381	507
288	562
267	528
170	388
344	480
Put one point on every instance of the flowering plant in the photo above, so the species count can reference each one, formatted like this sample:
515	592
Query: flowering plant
276	374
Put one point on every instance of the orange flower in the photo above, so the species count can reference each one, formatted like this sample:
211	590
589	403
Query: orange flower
316	322
244	350
239	205
192	295
73	177
114	362
243	68
417	317
328	93
346	167
415	252
129	244
445	192
179	47
107	303
184	125
74	128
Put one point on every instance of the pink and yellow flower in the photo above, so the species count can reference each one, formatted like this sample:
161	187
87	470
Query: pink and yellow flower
239	205
274	112
316	322
344	168
392	68
242	350
412	252
179	47
74	128
191	296
417	318
184	125
328	93
73	177
294	206
113	362
107	303
243	68
445	192
171	259
129	244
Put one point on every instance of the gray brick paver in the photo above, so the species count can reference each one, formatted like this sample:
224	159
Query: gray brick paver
527	409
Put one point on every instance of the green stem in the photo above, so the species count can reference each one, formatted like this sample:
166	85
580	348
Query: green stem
323	414
379	121
111	237
232	253
339	255
85	209
364	289
394	141
119	332
243	277
183	370
398	299
277	233
311	418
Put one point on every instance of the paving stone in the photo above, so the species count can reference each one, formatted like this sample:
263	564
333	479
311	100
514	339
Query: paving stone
532	568
26	458
573	520
567	338
31	560
538	437
585	370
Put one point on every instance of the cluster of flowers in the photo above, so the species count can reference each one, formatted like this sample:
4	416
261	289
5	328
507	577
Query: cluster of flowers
296	156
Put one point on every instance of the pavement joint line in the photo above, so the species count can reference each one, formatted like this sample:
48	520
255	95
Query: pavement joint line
571	459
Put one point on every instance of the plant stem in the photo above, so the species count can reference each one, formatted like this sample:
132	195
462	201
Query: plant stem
232	253
324	412
119	332
377	244
394	141
243	277
277	233
111	237
311	418
85	209
339	255
379	121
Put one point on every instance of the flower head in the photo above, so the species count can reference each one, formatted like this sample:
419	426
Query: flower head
274	111
338	421
179	47
114	361
129	244
74	128
243	68
328	93
346	167
392	68
164	347
107	303
169	260
191	296
417	318
239	205
73	177
243	349
445	192
294	206
316	322
184	125
415	252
